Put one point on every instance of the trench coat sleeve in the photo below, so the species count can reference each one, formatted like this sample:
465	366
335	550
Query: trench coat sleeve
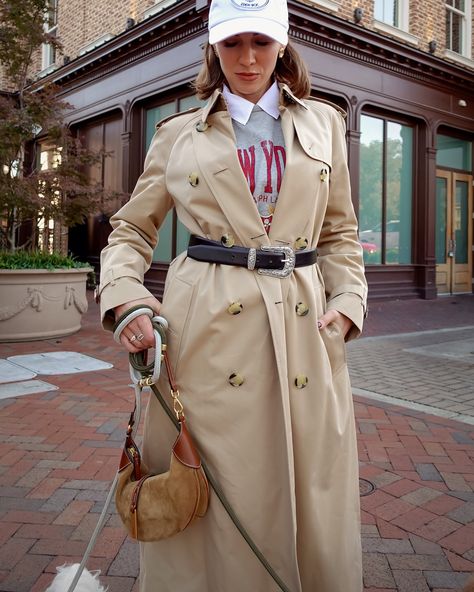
339	251
129	252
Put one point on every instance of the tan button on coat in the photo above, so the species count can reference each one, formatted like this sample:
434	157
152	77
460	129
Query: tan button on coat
286	457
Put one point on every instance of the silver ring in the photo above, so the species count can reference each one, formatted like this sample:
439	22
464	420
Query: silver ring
133	338
140	336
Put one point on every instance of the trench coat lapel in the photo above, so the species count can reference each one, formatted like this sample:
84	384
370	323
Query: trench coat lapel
296	198
287	215
218	161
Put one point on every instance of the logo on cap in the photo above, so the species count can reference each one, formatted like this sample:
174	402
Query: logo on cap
250	5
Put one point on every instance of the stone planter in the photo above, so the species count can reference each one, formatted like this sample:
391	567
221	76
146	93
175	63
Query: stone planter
41	303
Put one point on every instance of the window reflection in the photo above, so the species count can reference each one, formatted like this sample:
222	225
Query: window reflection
174	236
386	187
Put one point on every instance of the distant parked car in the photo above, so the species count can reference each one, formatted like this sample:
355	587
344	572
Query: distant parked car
392	235
368	247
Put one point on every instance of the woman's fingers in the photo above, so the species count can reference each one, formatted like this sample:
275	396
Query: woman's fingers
138	334
333	316
143	330
330	316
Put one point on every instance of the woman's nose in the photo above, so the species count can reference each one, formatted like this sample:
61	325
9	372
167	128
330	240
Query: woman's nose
247	56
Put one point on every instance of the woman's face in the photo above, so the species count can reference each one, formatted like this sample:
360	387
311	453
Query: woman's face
248	61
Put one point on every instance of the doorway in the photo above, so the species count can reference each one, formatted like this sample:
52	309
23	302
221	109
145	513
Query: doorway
454	235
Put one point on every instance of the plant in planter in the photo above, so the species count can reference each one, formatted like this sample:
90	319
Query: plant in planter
45	181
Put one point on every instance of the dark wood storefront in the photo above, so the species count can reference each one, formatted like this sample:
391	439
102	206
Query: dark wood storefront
121	88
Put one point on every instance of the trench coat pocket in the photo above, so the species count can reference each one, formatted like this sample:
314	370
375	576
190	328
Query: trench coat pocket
333	340
176	308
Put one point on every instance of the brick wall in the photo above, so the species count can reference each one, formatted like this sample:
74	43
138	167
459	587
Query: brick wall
347	7
426	20
81	22
429	24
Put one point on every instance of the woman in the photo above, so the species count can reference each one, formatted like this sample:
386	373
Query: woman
259	359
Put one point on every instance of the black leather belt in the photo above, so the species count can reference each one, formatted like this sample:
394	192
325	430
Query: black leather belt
277	261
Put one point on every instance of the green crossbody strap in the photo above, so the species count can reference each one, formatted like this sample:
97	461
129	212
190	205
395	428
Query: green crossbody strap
225	502
138	361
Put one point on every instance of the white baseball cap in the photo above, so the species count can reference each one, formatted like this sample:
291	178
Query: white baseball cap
231	17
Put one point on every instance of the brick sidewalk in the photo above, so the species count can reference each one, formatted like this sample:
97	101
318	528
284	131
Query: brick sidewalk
59	451
425	368
407	316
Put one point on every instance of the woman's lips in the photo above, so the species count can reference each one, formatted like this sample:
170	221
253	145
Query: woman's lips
249	77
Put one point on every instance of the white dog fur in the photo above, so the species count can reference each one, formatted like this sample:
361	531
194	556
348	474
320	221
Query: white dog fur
88	582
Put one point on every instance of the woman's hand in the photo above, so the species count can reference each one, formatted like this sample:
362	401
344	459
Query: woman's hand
333	316
138	334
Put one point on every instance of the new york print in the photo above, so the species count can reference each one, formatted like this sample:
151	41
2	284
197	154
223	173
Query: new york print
263	165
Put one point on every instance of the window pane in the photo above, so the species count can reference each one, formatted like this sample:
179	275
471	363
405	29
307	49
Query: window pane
453	153
448	29
153	116
163	251
399	184
461	222
189	102
458	4
52	14
454	31
441	219
457	33
182	234
370	190
386	195
387	11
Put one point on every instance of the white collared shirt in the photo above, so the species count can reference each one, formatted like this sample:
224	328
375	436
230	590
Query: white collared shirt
240	109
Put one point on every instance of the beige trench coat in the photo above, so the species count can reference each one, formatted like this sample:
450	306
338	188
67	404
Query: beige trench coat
286	457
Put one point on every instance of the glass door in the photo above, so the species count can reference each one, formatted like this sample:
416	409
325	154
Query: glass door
454	237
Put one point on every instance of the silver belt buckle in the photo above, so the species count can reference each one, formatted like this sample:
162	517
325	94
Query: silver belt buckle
289	261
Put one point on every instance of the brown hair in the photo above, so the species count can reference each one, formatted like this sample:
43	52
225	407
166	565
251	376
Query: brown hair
290	70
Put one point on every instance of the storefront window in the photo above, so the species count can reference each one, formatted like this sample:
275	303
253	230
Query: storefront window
173	235
453	153
385	192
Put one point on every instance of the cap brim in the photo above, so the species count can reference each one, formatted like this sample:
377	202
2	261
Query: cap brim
266	27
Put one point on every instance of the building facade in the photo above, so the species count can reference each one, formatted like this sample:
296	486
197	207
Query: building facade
402	70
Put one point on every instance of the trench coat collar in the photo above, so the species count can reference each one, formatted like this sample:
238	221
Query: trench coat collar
217	102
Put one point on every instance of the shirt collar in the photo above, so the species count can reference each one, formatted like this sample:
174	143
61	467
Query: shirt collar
240	109
216	102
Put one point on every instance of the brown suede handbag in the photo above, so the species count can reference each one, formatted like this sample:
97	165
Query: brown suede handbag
157	506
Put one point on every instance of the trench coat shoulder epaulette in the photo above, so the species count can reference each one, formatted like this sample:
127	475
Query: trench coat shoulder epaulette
340	110
174	115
